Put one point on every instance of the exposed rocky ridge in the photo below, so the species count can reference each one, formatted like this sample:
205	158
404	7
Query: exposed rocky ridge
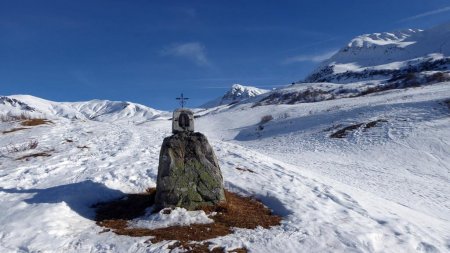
428	64
12	102
326	91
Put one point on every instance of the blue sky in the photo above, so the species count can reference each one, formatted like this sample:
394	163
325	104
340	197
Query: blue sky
150	51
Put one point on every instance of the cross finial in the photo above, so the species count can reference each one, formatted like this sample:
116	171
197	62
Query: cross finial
182	100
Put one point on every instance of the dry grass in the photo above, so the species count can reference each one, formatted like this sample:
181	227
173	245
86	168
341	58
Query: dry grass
35	122
14	130
238	211
24	122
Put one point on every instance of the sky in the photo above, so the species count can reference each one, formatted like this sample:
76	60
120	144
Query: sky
149	52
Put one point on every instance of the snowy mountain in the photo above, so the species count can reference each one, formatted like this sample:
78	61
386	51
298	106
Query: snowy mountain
349	161
11	104
387	55
370	63
362	174
237	93
98	110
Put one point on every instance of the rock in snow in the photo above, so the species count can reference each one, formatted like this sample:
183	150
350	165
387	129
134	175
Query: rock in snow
188	173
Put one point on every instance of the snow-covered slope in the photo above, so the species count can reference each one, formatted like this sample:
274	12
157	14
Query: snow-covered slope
98	110
10	104
410	140
384	55
381	188
237	93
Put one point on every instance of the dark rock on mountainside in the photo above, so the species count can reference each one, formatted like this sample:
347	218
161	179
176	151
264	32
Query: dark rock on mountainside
12	102
188	173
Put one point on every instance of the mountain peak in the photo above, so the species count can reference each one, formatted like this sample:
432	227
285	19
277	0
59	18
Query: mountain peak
383	55
384	38
235	94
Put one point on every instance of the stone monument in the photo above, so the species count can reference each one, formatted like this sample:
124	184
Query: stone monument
188	173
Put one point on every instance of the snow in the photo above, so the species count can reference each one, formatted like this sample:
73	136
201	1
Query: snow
384	189
237	93
99	110
386	51
176	217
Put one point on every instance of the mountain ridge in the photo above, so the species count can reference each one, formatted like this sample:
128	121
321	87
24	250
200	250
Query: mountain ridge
97	110
382	55
235	94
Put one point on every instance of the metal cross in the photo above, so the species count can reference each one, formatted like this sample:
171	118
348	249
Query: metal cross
182	100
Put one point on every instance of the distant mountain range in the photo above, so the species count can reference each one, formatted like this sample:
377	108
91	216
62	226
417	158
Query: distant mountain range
368	64
98	110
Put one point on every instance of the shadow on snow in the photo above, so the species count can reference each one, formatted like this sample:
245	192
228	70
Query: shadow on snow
78	196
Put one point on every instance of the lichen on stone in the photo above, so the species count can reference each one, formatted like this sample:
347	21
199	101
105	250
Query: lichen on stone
188	173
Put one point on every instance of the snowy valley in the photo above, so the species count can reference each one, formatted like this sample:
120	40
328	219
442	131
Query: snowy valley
354	159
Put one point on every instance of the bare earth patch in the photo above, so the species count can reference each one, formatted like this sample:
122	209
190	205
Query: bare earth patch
238	212
35	122
28	122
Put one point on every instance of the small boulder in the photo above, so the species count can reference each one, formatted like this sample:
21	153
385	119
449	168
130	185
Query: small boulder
188	173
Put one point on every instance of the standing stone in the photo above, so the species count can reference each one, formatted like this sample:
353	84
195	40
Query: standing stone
188	173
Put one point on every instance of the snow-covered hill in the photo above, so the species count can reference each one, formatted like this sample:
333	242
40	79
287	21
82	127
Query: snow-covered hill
98	110
350	161
237	93
381	187
387	55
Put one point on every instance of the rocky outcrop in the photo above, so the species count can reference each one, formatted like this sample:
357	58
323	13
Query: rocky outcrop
188	173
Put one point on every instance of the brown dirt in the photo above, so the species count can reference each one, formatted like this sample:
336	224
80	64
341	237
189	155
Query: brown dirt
14	130
238	211
27	157
35	122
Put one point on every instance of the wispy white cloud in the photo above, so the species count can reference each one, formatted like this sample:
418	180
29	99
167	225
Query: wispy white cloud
193	51
309	58
426	14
